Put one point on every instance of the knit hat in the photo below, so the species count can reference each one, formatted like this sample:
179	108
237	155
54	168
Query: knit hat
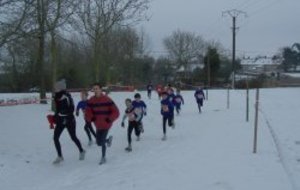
60	85
137	95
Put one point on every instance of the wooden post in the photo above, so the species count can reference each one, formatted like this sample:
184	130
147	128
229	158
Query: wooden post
228	99
256	121
247	104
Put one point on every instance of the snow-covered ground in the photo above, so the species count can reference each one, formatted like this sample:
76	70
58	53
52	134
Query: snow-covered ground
295	75
209	151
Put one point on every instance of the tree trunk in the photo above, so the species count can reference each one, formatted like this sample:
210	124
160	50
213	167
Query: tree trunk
96	62
14	72
41	50
41	72
54	66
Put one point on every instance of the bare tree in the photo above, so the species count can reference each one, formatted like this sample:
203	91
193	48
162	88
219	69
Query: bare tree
42	18
183	47
143	43
17	56
33	25
99	16
12	19
59	13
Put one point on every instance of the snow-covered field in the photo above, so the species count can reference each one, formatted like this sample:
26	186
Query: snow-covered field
208	151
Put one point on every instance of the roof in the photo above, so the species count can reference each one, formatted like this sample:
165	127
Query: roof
258	61
191	68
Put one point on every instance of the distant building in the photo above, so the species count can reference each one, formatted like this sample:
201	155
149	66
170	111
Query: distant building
186	72
258	66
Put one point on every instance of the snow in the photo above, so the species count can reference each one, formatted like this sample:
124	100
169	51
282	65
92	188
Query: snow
211	150
295	75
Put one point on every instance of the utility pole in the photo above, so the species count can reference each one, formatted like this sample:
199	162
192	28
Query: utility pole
234	14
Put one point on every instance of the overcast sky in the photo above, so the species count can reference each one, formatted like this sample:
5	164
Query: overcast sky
269	25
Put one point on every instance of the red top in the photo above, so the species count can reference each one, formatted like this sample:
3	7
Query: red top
159	88
102	111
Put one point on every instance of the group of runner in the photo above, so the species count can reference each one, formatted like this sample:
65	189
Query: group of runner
101	111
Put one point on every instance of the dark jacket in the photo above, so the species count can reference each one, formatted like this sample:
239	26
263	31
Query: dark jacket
199	95
64	104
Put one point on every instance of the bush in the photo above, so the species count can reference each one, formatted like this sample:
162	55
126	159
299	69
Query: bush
252	83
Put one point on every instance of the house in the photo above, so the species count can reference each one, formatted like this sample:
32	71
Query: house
258	66
185	73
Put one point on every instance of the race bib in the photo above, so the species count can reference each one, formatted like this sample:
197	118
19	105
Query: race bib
131	117
200	96
178	100
138	111
165	108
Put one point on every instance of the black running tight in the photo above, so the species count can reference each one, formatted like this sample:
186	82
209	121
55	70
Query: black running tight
89	129
70	124
133	125
170	122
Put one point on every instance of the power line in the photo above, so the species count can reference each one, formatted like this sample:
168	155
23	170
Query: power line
242	4
265	7
252	4
260	10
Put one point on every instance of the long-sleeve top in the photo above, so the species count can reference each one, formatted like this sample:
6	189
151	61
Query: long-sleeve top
167	108
81	106
199	94
178	100
102	111
140	105
64	104
131	114
171	98
149	87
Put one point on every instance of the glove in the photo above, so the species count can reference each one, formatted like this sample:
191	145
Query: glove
122	124
77	113
51	121
145	113
107	120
